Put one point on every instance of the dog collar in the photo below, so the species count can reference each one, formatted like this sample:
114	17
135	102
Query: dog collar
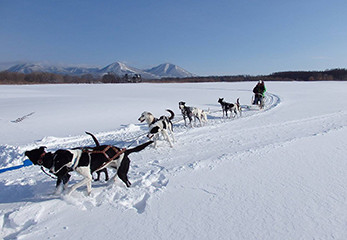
154	120
40	160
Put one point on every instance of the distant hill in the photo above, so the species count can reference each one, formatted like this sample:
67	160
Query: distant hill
118	68
169	70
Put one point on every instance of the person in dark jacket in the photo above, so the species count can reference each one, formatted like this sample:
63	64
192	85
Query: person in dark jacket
259	91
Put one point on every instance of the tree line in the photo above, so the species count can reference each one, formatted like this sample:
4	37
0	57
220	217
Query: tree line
52	78
327	75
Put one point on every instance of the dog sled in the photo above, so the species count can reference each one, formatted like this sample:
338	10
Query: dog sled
255	106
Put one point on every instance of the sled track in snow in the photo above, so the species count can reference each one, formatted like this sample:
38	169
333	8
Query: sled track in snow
271	101
134	134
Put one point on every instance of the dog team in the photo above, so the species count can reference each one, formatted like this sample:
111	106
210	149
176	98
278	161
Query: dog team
87	160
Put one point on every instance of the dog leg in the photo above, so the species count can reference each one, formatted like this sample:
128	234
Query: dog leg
167	137
200	121
123	171
191	121
66	179
97	176
59	180
155	140
106	174
172	135
104	170
58	187
204	117
89	187
79	184
185	121
85	172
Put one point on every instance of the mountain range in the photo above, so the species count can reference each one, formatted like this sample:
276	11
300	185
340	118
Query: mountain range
165	70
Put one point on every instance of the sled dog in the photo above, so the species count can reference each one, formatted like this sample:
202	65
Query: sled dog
192	112
44	159
161	125
85	162
232	107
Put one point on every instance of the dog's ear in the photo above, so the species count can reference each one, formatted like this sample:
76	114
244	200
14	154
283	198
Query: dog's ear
42	148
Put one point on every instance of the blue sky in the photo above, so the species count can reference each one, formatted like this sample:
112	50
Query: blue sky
205	37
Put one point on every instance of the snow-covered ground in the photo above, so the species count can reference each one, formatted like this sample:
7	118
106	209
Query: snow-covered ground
278	173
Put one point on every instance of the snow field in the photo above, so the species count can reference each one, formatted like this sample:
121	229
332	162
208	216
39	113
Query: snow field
278	173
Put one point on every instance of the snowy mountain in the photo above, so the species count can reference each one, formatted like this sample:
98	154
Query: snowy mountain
38	67
33	67
117	68
169	70
121	69
80	70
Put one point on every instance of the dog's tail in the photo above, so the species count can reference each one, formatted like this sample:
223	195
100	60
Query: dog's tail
204	114
239	106
94	138
171	113
238	103
138	148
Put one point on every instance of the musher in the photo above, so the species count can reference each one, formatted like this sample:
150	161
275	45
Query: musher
259	91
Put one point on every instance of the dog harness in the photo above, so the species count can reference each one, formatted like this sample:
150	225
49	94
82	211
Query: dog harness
76	157
40	163
117	152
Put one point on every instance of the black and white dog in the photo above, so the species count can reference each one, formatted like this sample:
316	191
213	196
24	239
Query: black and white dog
192	112
45	159
232	107
159	125
85	162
